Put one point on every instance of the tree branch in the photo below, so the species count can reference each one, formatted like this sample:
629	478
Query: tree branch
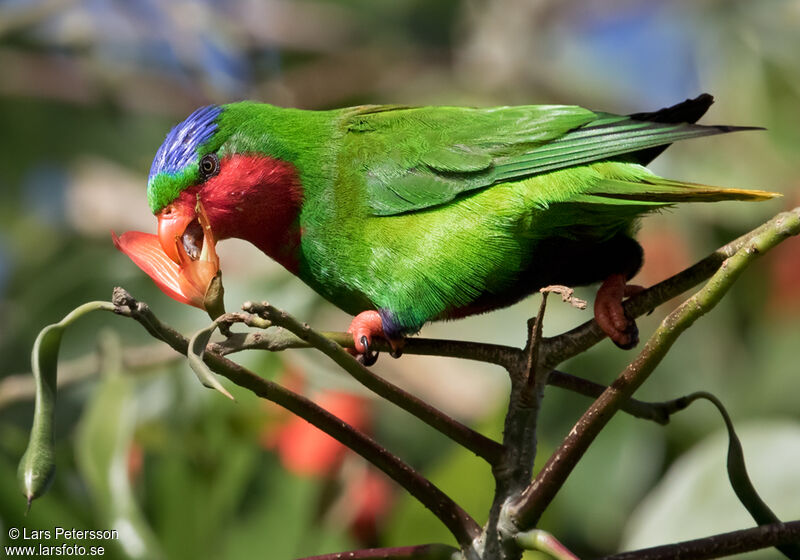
658	412
554	349
519	439
718	546
282	339
523	508
479	444
460	524
527	509
573	342
418	552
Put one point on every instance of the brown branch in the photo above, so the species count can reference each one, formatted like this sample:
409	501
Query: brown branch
527	509
281	339
418	552
460	524
554	349
719	546
519	439
658	412
479	444
573	342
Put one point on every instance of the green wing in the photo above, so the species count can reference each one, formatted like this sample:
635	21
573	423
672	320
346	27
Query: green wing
415	158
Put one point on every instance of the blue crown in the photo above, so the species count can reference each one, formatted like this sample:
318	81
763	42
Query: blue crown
180	147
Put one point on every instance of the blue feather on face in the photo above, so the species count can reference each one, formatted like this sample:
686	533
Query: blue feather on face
181	144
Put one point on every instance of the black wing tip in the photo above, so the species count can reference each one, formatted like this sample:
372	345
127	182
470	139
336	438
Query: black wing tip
704	100
689	111
724	128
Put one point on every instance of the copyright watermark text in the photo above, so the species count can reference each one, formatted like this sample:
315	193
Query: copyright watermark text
58	541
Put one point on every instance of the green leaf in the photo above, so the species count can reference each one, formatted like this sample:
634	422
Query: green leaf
694	499
740	480
37	466
197	347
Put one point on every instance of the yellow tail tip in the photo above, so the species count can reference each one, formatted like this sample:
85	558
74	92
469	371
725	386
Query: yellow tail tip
753	194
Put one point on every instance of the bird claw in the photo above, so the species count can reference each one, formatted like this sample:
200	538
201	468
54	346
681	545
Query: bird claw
610	314
365	326
367	357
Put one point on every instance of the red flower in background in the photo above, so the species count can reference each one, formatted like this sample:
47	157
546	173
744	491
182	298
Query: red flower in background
306	450
665	253
785	277
369	498
784	272
364	494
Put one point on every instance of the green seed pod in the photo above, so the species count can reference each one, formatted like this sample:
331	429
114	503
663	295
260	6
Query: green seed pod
37	466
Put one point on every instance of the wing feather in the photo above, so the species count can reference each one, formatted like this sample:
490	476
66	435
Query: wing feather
416	158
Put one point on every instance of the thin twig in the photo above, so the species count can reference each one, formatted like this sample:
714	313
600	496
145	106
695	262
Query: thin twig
279	339
554	349
658	412
534	383
519	438
418	552
527	509
573	342
479	444
460	524
719	546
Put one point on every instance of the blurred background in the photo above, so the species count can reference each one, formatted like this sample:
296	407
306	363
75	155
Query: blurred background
89	89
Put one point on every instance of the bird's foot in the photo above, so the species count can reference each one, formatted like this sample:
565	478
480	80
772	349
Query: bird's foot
364	327
610	315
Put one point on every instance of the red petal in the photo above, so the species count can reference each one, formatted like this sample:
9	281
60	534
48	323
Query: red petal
369	497
306	450
145	251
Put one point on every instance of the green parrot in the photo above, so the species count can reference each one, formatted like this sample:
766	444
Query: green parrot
404	215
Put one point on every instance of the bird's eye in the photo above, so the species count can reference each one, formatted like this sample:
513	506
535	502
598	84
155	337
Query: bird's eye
209	165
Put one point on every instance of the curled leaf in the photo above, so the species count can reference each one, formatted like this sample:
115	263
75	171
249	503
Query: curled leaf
197	347
740	480
37	466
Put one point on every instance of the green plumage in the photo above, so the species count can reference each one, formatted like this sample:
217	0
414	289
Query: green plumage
437	212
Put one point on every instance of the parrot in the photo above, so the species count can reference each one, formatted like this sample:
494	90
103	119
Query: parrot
402	215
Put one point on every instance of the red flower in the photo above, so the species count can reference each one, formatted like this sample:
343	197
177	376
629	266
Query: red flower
363	495
370	498
306	450
784	272
785	277
180	276
665	253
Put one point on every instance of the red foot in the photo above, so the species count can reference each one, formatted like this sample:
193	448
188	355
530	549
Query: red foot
610	315
364	327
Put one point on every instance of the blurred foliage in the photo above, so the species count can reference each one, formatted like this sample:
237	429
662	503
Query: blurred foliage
90	88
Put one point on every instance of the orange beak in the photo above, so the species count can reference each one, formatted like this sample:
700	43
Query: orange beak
183	277
172	223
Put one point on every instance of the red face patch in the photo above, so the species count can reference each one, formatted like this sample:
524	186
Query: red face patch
258	199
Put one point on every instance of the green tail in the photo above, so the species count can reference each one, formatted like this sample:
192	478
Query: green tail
656	191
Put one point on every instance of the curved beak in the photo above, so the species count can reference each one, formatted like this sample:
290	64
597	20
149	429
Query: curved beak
172	224
181	259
